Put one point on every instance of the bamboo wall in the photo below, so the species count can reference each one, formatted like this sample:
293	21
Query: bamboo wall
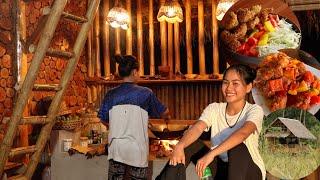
185	100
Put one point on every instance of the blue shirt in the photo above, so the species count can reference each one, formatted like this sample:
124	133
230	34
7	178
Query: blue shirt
130	93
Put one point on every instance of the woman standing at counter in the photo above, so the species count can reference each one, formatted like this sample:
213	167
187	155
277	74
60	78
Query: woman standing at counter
127	109
235	127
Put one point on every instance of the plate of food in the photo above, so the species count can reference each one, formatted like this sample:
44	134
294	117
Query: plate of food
249	34
283	81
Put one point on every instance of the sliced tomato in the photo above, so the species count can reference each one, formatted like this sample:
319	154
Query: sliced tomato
253	52
315	100
289	73
258	34
274	19
308	77
252	41
260	27
276	85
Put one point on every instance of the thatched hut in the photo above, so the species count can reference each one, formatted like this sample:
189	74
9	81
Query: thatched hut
287	131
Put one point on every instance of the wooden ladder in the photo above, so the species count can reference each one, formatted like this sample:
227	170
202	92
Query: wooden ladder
28	85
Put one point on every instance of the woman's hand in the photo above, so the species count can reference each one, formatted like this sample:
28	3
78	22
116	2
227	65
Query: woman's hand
203	163
177	155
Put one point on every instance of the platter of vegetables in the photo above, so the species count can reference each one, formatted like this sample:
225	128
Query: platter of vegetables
249	34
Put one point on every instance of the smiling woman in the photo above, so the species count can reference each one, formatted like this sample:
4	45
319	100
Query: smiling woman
235	127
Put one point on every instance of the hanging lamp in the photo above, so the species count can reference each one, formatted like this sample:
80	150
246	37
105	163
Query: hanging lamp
171	12
118	17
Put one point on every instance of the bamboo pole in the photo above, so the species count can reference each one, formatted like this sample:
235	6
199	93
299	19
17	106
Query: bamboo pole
192	105
177	47
187	103
89	52
117	45
177	100
23	96
202	58
215	29
96	39
105	38
151	39
188	37
22	150
129	30
182	103
163	34
21	67
170	47
140	37
196	100
67	75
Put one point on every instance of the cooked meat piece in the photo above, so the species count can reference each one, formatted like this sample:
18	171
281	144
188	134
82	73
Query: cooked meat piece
245	15
301	68
251	24
241	31
234	45
302	101
226	36
277	72
264	14
278	102
230	40
283	59
230	21
255	9
264	74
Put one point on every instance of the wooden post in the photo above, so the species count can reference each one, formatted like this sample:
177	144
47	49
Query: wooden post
140	38
96	39
151	39
27	85
163	34
117	45
67	75
177	47
170	48
215	29
188	37
21	66
129	30
202	58
105	38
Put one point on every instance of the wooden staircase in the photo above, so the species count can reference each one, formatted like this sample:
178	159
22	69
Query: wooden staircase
40	51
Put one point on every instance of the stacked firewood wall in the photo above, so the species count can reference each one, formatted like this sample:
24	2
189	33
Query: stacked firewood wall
52	68
7	80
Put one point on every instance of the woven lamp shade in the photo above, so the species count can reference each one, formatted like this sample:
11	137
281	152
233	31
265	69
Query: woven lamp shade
171	12
118	17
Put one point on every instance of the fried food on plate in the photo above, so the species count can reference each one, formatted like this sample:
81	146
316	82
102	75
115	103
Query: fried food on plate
230	21
244	14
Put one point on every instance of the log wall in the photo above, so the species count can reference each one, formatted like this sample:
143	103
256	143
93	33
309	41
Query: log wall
52	68
7	80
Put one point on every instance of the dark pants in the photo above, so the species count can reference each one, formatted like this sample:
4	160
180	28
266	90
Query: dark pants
239	167
121	171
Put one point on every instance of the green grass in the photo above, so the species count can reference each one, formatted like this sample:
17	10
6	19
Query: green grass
283	163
